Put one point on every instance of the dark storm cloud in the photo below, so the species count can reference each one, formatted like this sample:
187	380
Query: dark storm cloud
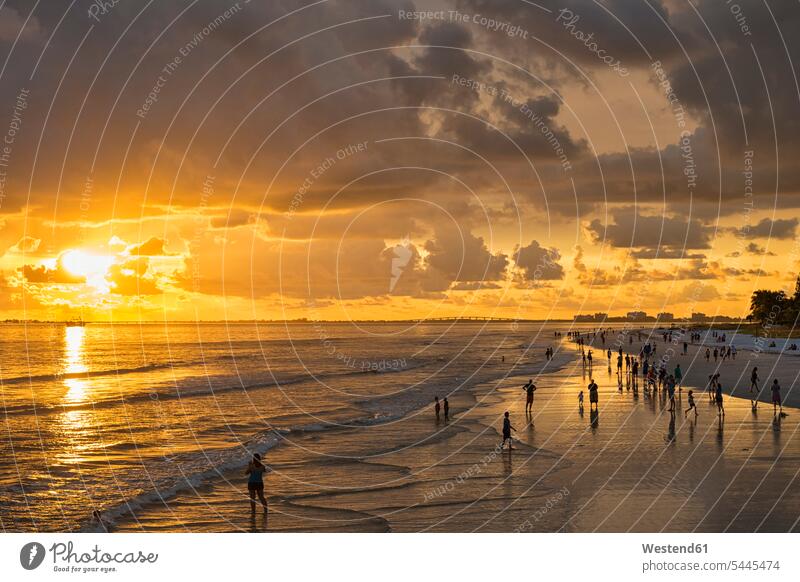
57	275
625	30
462	256
153	246
538	263
118	129
651	234
781	228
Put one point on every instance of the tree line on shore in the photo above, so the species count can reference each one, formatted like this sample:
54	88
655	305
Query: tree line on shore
775	307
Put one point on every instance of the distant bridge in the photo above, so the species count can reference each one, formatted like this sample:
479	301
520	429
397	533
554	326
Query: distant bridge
470	318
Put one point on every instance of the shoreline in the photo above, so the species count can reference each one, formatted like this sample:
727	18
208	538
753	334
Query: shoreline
415	430
437	477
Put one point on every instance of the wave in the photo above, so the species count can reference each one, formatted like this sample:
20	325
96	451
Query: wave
194	470
89	373
208	389
199	468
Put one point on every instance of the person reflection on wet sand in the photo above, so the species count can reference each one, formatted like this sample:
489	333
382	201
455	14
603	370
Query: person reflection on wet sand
594	418
671	431
262	526
507	465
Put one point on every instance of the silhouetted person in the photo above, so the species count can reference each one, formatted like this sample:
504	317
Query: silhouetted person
691	405
446	409
255	482
507	428
754	380
592	394
718	400
436	407
529	388
776	397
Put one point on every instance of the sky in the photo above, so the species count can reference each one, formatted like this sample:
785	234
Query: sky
390	159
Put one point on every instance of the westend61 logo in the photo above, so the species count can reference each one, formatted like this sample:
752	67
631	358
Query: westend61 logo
66	559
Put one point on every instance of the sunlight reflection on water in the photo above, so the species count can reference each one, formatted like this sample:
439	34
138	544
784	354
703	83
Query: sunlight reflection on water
74	363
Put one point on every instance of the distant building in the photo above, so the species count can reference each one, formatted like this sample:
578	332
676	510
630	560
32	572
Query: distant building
592	318
666	316
699	316
636	316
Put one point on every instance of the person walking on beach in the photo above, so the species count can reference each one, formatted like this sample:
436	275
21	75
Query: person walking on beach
776	397
446	409
507	428
708	355
754	380
255	482
678	376
436	407
691	405
592	394
529	388
714	385
718	399
671	392
580	401
589	357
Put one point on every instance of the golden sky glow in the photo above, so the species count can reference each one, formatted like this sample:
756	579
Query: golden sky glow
351	161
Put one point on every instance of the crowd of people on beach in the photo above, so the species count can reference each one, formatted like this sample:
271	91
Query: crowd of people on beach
630	368
651	370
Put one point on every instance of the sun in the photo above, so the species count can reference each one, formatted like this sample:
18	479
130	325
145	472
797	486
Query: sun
84	264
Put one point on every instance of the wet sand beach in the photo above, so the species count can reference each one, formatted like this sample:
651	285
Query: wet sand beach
630	467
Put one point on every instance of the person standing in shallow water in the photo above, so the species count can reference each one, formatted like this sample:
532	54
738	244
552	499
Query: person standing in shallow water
507	428
529	388
255	482
446	409
437	407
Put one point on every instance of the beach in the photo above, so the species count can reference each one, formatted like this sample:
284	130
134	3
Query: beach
371	456
632	467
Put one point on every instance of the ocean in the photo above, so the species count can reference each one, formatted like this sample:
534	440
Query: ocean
149	427
113	418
